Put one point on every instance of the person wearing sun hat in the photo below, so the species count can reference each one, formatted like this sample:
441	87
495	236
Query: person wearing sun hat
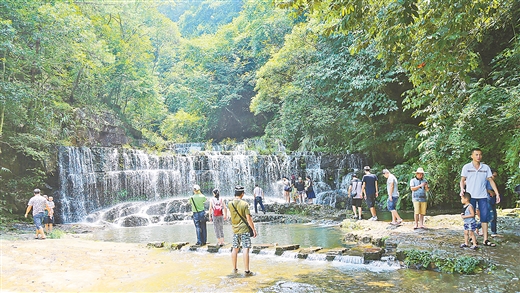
419	187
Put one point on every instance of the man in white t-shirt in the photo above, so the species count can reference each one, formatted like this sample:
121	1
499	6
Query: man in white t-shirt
473	180
258	192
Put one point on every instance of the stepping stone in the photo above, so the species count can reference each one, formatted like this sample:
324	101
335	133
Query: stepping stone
280	249
178	245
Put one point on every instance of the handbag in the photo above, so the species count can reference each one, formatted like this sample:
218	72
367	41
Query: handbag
251	232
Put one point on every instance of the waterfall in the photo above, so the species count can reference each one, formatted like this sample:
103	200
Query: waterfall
94	178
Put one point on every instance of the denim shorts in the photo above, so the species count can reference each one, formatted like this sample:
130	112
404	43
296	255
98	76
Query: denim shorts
483	208
391	204
38	220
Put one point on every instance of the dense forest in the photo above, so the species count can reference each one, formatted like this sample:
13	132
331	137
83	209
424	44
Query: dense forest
408	83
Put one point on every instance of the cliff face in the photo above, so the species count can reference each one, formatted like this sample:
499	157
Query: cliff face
103	129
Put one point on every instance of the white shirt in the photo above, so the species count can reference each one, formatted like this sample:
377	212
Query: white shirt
476	179
258	191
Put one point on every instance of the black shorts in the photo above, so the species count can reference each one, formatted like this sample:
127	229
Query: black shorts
356	202
371	198
48	220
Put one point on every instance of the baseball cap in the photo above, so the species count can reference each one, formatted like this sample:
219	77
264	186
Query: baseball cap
239	188
196	187
385	171
367	168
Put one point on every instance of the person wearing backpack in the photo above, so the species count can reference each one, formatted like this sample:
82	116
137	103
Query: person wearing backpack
217	214
354	191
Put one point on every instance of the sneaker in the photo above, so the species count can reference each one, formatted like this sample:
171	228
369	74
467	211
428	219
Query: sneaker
235	271
399	221
373	218
248	273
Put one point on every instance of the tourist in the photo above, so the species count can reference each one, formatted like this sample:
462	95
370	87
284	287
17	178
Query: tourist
393	196
370	191
258	193
473	180
354	191
468	214
309	189
49	219
287	189
492	202
242	224
300	189
38	204
217	214
199	217
294	194
419	187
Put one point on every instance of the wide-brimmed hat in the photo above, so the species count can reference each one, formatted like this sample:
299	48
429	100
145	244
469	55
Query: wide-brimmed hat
420	170
239	188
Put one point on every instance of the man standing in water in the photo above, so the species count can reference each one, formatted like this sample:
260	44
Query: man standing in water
473	180
370	191
241	221
393	196
199	217
38	204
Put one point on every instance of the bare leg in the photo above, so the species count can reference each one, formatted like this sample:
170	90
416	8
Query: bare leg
466	232
421	220
359	212
373	211
245	255
354	209
485	231
473	238
234	254
417	219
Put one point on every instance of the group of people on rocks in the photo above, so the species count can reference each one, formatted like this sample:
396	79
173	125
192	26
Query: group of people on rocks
43	213
478	192
298	190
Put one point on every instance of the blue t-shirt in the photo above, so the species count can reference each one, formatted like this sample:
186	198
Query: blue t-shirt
467	213
420	194
370	183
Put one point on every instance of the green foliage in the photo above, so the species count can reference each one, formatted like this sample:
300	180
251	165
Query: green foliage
426	260
418	258
56	234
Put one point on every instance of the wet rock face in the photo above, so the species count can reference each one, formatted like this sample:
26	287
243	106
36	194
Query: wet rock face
134	221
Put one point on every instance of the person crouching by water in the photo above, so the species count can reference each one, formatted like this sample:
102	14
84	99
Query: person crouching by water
199	217
217	214
468	215
38	204
241	222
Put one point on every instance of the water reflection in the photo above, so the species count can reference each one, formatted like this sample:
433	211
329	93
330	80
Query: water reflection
307	235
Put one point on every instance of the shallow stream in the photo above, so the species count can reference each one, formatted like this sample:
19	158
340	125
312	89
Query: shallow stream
201	271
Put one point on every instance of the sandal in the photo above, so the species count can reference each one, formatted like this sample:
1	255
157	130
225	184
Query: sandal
489	243
474	247
463	245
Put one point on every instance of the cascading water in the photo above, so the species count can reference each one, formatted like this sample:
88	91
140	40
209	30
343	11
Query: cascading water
95	178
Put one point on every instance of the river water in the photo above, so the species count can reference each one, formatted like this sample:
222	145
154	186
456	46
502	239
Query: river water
201	271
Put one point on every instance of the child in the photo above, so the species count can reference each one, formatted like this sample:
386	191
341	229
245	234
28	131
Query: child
468	214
